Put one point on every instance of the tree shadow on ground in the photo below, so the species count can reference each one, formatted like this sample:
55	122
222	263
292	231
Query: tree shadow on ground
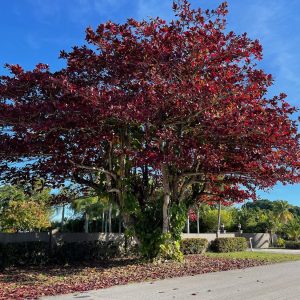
38	274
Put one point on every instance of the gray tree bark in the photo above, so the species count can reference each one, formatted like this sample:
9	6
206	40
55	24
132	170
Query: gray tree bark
109	218
166	203
219	220
198	225
103	220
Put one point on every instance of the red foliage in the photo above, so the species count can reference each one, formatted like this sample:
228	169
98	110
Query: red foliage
192	215
186	94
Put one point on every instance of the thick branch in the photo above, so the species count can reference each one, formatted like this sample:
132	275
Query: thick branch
89	183
111	174
114	191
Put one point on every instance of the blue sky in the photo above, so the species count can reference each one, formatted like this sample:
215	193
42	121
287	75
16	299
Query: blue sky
33	31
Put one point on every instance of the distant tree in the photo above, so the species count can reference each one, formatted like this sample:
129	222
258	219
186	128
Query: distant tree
22	212
292	229
260	204
281	211
264	215
92	207
273	224
209	218
253	219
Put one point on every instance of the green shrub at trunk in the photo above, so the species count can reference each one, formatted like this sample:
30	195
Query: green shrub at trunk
148	229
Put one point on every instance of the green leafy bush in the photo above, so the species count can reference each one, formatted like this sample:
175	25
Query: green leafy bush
229	244
170	249
280	243
25	253
193	246
178	214
292	245
147	228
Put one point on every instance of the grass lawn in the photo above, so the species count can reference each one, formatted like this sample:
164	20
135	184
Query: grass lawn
266	257
34	282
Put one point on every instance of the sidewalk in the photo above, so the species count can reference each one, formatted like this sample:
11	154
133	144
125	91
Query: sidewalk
279	251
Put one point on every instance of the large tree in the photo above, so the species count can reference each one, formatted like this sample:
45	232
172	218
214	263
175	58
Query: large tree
150	109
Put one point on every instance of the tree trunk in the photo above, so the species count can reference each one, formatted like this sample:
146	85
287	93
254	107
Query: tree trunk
103	220
166	203
120	224
86	222
127	221
62	216
109	218
188	224
198	225
271	237
219	219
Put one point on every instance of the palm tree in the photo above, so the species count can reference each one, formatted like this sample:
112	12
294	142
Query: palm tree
279	216
90	206
281	211
273	224
292	229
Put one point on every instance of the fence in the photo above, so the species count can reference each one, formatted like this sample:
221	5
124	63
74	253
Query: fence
55	238
259	240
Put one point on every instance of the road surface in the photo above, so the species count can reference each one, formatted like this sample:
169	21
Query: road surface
273	282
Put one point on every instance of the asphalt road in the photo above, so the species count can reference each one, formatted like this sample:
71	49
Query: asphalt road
273	282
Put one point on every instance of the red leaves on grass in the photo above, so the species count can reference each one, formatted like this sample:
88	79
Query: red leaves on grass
31	283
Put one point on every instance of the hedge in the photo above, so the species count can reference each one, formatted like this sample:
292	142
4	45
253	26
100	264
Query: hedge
193	246
292	245
85	251
39	253
1	256
229	244
25	253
